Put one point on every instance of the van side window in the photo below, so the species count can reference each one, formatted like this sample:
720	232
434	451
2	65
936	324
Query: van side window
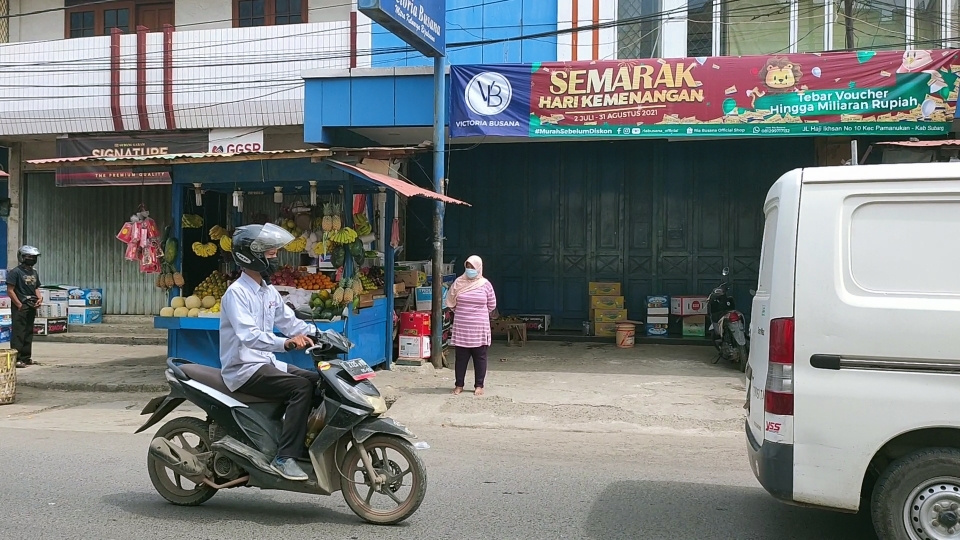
767	249
905	247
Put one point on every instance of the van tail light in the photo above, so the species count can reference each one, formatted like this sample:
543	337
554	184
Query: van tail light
734	316
779	391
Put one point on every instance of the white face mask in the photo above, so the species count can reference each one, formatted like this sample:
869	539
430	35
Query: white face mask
472	273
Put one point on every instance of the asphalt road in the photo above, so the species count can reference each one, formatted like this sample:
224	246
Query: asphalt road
482	484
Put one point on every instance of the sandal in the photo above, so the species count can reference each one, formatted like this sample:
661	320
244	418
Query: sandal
22	364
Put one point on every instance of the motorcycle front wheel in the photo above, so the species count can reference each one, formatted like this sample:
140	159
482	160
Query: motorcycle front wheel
401	493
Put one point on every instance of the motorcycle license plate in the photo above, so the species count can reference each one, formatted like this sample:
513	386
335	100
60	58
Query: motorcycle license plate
357	369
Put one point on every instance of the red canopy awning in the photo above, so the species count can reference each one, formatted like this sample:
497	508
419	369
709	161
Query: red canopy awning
401	187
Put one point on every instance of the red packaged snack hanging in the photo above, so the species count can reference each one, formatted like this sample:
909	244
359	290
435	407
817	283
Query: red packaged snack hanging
126	233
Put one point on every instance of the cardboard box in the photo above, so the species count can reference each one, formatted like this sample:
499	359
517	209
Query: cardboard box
608	315
53	310
54	294
414	347
425	298
695	326
85	297
85	315
6	317
399	289
535	322
658	305
602	288
688	305
657	326
499	327
48	326
606	302
5	302
410	278
603	329
415	323
6	334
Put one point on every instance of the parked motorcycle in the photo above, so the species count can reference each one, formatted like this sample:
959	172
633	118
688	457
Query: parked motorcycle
727	327
352	447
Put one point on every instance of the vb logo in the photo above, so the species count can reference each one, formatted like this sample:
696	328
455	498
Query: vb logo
488	93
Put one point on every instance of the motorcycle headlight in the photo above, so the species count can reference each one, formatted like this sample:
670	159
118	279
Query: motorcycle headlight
377	403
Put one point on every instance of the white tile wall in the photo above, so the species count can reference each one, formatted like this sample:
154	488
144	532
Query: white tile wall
230	77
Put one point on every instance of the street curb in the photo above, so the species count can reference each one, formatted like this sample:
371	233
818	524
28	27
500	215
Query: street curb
95	387
94	339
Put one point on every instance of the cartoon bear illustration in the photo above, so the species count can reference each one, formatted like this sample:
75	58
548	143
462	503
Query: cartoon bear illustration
780	75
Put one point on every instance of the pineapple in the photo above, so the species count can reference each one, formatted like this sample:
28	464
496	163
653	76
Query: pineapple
357	286
178	279
337	223
327	222
338	295
168	280
347	296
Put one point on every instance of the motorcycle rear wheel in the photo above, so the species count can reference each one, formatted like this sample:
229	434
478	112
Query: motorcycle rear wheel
742	356
173	490
357	488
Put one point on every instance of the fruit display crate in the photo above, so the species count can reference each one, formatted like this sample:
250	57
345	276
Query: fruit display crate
198	338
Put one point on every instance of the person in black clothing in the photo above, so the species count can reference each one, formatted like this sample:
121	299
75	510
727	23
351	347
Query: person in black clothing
22	284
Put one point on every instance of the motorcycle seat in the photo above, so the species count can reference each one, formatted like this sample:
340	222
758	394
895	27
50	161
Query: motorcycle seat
211	377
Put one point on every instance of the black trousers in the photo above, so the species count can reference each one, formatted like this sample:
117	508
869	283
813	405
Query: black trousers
479	355
295	388
21	339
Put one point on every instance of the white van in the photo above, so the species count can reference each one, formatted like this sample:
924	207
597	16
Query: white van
853	382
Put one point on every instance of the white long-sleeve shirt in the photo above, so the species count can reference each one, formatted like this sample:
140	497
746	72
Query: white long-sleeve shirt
249	311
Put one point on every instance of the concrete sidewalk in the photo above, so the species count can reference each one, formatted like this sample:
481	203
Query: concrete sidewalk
542	386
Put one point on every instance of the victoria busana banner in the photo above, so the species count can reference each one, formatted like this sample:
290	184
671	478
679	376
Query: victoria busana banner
842	93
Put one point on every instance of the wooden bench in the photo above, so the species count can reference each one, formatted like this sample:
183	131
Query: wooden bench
517	332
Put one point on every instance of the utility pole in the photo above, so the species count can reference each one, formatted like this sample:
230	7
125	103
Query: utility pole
439	123
848	23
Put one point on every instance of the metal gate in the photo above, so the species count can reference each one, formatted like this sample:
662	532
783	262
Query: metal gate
660	217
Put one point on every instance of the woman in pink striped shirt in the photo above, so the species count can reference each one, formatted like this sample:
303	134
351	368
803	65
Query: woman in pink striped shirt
472	299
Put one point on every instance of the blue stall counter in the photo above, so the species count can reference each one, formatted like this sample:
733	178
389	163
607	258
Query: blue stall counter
197	339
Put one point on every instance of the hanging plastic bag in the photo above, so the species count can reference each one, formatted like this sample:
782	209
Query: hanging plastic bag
126	233
150	259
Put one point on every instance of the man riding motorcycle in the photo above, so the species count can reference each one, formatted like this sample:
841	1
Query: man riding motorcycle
250	309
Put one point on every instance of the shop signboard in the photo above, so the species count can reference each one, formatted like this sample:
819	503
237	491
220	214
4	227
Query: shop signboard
124	146
420	23
235	140
843	93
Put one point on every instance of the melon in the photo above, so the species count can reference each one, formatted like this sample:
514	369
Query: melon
181	312
178	302
208	302
193	302
166	312
194	312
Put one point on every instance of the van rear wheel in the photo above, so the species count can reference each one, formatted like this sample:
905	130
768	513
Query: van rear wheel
918	497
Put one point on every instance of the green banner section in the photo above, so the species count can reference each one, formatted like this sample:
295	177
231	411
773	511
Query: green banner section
744	130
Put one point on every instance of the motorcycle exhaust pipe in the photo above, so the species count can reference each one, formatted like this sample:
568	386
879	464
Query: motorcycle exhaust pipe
177	459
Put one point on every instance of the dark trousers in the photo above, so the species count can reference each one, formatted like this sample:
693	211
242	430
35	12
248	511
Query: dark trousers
479	355
21	339
295	388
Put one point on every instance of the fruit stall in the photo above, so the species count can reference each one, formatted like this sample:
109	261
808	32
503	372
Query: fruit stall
337	274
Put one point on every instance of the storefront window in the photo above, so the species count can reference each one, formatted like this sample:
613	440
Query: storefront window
928	27
638	39
810	25
755	27
700	28
877	24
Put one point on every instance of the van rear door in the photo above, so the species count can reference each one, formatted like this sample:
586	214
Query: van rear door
773	299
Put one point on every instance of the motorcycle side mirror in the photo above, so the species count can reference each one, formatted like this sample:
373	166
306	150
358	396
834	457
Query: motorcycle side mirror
753	292
726	271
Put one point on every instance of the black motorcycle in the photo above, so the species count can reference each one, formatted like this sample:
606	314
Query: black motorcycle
727	327
351	446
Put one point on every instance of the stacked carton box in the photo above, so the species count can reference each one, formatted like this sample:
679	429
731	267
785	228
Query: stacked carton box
606	307
692	311
658	315
6	322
